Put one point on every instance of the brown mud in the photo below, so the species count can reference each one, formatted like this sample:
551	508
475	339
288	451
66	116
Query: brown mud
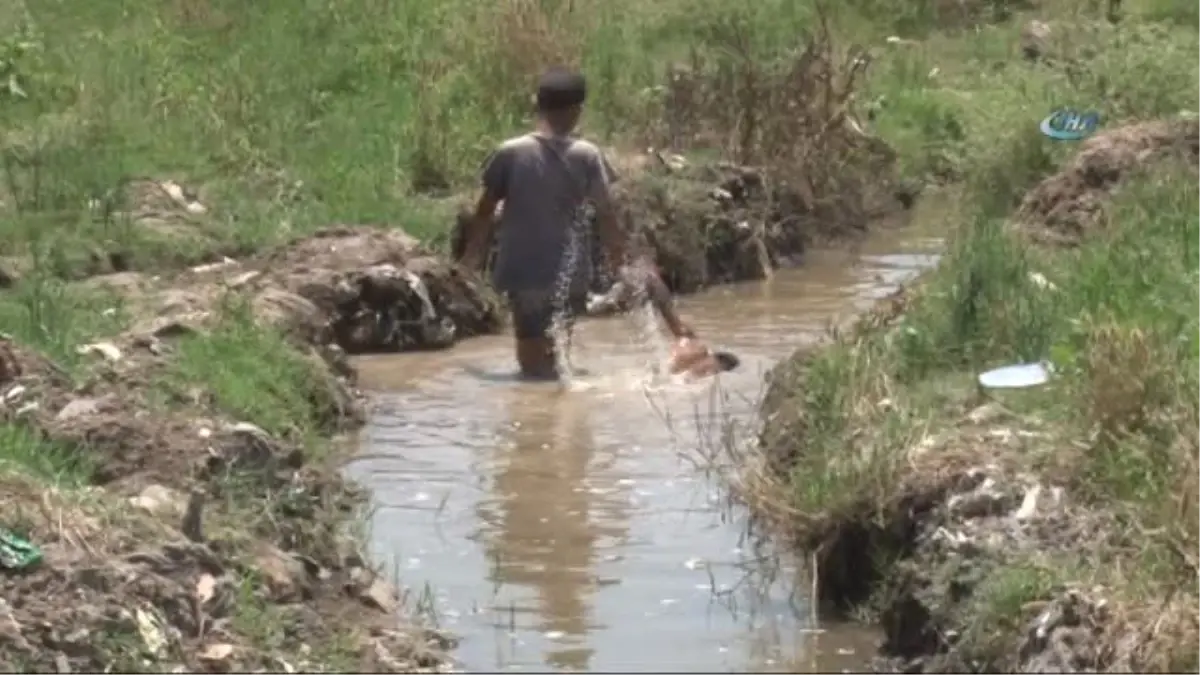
965	516
1069	205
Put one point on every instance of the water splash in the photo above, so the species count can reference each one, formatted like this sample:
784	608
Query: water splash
648	336
573	257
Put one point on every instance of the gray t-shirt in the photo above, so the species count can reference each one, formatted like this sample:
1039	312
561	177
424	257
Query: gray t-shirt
544	182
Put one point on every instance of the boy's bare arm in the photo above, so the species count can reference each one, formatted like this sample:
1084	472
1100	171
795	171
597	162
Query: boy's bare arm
647	284
479	230
479	227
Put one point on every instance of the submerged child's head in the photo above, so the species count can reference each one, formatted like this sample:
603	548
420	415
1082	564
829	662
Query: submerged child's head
726	360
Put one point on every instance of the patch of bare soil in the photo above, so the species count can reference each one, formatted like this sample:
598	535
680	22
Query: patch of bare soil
205	543
1066	207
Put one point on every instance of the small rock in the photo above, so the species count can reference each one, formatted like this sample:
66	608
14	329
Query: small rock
285	576
988	412
1029	504
61	663
14	393
381	595
251	429
212	267
244	278
78	408
1040	280
206	586
215	653
106	349
159	500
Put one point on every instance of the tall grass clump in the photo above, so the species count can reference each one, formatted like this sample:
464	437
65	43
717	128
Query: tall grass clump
283	119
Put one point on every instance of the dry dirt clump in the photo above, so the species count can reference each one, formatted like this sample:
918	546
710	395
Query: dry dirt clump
381	290
1067	206
360	289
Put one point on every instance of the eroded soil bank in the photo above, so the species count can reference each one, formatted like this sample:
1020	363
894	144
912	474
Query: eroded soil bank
968	524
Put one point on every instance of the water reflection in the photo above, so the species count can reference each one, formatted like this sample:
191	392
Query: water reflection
543	533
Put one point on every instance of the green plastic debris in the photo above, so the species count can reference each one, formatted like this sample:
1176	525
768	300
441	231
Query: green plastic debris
17	553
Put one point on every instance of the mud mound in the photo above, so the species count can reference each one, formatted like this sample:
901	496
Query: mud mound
974	543
1065	207
121	590
361	289
716	223
991	535
381	291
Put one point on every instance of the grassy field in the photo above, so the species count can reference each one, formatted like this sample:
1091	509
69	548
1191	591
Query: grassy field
853	423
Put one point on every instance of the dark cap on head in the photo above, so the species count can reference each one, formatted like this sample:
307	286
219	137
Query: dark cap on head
560	88
727	360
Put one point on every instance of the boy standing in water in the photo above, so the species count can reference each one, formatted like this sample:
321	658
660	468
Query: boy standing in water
545	179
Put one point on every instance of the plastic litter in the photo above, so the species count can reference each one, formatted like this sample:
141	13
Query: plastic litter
17	553
1018	376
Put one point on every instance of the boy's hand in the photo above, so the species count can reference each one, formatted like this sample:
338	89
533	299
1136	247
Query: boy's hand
682	330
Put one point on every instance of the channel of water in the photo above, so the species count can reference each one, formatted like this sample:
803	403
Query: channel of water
571	530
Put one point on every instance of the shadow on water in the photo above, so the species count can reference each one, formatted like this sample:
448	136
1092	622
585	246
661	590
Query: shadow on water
574	528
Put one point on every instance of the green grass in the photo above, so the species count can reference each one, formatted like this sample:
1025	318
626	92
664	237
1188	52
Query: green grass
286	119
23	452
57	319
253	374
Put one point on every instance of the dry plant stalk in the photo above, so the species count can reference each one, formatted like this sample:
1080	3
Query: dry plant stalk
792	118
1125	379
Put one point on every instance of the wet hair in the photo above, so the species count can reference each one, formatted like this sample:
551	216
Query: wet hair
727	360
559	89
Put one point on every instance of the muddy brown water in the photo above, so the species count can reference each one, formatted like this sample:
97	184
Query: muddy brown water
570	529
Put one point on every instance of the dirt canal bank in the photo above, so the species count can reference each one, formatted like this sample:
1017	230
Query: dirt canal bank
572	530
